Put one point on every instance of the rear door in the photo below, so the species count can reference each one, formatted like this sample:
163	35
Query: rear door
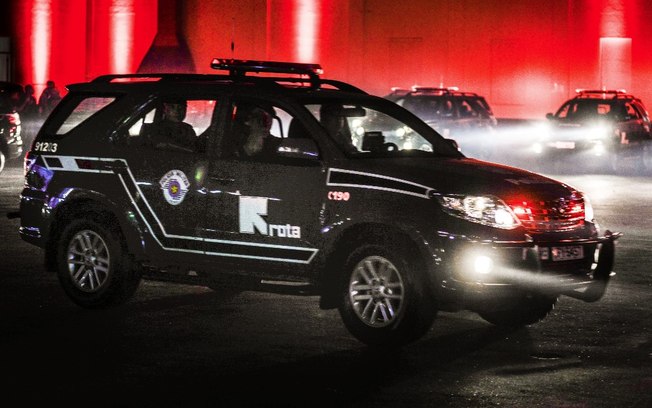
166	182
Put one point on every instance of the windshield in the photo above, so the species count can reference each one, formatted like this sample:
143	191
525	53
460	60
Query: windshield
366	131
581	110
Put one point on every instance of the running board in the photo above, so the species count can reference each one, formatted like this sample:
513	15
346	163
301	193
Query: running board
234	281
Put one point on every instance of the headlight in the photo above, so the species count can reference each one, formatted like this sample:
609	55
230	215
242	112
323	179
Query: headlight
486	210
599	131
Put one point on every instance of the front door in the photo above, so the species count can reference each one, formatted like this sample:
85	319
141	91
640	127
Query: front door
263	210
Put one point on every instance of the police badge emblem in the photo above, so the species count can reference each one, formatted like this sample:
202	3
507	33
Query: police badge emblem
175	185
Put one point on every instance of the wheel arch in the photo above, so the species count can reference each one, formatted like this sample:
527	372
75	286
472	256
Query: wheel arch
330	276
100	210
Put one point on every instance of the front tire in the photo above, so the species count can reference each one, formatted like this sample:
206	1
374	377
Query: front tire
93	268
526	309
386	301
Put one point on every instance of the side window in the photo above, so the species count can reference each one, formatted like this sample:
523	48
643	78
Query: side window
467	110
175	124
86	108
364	130
632	112
642	111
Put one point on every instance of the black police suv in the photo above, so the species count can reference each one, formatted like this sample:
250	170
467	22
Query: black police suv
463	116
291	183
609	129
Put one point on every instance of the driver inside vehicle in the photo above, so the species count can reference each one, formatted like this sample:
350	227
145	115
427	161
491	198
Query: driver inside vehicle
334	121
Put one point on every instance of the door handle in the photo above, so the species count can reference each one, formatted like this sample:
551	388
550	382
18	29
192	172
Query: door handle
222	180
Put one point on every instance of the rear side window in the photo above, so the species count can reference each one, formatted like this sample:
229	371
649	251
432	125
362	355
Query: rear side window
85	109
175	124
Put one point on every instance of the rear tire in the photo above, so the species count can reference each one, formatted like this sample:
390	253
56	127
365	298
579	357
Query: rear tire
385	301
93	267
527	309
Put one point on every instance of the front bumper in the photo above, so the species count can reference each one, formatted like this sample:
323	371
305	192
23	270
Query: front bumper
519	265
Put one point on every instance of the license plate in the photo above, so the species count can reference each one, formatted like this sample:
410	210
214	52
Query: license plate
567	253
565	145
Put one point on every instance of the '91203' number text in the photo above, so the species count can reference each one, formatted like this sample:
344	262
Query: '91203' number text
45	147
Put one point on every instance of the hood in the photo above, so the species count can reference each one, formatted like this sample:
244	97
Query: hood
469	176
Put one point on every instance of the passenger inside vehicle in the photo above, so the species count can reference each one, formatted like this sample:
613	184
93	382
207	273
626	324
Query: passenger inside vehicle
251	131
171	132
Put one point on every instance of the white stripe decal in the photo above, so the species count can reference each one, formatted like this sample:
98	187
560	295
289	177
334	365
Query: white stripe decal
378	176
69	164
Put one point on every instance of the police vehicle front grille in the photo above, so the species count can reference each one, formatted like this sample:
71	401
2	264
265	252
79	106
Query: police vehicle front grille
555	215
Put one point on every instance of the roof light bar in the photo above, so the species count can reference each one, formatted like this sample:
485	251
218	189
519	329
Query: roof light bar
240	67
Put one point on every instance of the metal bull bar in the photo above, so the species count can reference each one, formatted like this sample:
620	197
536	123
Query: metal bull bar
603	271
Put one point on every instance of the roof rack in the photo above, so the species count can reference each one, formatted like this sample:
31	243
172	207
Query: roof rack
451	90
238	70
163	77
417	88
614	93
601	91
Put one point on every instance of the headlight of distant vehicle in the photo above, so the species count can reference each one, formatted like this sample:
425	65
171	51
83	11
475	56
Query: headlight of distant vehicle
600	131
486	210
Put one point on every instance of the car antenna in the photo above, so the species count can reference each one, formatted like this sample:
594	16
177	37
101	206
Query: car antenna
233	39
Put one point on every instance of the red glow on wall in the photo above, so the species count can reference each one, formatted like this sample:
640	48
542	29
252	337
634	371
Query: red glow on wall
121	16
504	50
71	41
41	26
306	29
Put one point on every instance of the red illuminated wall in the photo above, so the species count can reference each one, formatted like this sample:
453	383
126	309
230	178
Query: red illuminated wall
75	40
525	56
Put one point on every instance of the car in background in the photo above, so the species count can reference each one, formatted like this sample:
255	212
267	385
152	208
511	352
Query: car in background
608	129
465	117
11	144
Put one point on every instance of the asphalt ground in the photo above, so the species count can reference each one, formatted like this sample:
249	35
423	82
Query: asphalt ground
188	346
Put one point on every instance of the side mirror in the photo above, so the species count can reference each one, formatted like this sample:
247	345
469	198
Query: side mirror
453	143
303	148
550	116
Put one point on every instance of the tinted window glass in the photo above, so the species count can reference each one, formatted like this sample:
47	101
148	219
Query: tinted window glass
174	124
83	111
364	131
